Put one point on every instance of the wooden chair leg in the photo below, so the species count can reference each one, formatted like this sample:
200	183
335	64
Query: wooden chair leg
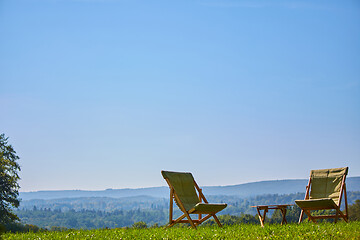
301	216
203	219
217	220
346	215
340	214
190	220
343	216
336	215
308	213
171	205
173	222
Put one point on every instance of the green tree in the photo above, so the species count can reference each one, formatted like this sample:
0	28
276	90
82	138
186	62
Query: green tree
8	181
354	211
139	225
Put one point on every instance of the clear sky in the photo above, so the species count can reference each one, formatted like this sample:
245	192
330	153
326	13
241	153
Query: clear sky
100	94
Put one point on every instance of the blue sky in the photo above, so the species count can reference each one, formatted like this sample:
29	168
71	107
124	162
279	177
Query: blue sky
105	94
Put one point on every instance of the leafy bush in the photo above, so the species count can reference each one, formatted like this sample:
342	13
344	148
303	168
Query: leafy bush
139	225
354	211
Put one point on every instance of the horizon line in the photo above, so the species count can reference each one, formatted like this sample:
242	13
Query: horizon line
110	189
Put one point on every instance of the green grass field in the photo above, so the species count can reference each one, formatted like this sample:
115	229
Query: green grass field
340	230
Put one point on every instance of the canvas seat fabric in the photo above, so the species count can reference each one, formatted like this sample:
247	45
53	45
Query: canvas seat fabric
207	208
326	203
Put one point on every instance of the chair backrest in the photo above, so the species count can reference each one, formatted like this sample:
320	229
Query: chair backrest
184	187
327	183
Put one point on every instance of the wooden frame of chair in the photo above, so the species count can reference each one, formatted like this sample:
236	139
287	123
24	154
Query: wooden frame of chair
338	214
193	222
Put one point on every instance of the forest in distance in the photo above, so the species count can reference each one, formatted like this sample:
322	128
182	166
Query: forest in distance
95	212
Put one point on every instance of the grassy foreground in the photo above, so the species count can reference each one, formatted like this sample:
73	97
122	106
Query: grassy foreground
340	230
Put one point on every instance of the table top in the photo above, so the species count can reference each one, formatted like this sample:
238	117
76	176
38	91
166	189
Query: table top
273	205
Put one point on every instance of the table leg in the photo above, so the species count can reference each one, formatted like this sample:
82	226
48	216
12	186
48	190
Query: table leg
262	218
283	211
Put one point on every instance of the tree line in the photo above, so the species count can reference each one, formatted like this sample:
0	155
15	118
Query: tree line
95	219
55	220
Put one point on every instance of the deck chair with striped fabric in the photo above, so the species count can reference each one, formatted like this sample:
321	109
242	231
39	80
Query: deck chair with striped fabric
190	199
324	191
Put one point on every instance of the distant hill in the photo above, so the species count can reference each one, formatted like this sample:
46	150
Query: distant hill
272	187
110	193
241	190
96	203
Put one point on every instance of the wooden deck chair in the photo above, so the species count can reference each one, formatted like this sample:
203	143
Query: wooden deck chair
183	189
324	191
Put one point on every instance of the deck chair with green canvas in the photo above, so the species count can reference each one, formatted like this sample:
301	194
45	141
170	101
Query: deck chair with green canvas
190	199
324	191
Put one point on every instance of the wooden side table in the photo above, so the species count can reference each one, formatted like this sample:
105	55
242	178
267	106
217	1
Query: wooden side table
281	207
